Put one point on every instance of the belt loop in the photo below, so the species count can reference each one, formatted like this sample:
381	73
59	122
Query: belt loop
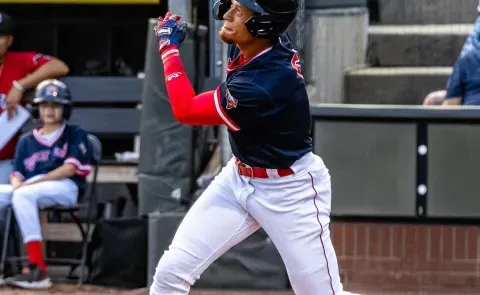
272	173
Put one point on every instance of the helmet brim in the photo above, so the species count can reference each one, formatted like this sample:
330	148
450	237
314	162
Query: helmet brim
38	100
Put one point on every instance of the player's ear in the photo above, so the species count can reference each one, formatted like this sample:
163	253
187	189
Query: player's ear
10	41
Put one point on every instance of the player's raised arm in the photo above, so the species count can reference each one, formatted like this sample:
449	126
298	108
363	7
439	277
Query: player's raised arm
188	108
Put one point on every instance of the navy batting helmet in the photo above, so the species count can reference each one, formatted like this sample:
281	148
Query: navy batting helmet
54	91
271	17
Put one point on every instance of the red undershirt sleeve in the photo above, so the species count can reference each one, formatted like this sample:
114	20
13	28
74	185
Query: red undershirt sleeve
188	108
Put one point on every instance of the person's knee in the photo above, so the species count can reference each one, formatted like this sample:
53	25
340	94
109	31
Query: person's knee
173	275
20	197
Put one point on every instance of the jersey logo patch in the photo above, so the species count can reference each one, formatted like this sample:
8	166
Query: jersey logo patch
82	148
231	101
61	152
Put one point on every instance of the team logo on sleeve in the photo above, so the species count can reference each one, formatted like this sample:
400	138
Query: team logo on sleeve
39	56
231	101
296	64
82	148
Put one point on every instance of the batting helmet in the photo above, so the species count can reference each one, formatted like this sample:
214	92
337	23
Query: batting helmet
54	91
271	17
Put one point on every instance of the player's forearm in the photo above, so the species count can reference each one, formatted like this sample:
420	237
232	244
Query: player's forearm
452	102
187	107
64	171
179	87
52	69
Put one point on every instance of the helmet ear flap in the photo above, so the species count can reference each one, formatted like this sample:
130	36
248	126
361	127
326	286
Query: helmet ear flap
67	111
220	8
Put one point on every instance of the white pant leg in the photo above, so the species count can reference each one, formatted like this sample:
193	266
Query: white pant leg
5	195
28	199
294	211
6	168
214	224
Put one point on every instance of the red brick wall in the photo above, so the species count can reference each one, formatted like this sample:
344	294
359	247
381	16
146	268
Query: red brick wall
408	256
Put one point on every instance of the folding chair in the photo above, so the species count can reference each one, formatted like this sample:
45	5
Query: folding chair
88	197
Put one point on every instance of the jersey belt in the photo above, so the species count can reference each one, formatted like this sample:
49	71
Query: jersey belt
257	172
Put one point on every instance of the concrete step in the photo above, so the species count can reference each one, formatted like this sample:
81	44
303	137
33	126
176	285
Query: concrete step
402	85
416	45
427	11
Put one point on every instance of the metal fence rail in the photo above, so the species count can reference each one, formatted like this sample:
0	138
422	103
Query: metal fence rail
400	161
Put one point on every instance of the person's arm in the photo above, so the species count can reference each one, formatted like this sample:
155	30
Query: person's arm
52	68
65	171
18	175
455	85
41	67
187	107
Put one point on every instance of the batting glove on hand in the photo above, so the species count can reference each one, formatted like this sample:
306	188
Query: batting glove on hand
169	31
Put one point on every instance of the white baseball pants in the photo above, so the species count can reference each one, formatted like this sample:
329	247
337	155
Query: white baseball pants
293	210
28	199
6	168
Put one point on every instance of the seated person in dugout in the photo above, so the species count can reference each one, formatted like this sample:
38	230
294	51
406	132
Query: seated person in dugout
463	85
50	168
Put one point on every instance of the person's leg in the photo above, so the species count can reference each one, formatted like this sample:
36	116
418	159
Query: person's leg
294	211
6	168
214	224
25	202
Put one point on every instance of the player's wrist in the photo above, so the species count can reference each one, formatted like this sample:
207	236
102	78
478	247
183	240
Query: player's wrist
18	86
169	51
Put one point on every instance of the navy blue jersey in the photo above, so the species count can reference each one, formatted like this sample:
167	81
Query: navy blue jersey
264	104
465	80
34	155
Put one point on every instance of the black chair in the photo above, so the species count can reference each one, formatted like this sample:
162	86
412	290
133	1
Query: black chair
86	201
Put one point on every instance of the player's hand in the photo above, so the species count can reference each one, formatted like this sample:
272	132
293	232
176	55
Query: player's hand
13	99
169	31
17	185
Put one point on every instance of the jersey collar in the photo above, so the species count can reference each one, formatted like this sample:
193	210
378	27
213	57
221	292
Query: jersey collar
40	139
233	67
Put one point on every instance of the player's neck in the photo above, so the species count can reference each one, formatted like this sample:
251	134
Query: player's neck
250	50
49	128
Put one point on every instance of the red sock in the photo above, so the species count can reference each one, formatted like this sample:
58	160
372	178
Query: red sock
35	254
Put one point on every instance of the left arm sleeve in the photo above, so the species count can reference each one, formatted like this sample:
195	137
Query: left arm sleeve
34	60
455	84
187	107
79	153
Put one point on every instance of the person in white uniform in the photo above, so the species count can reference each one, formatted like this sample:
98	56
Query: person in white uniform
50	168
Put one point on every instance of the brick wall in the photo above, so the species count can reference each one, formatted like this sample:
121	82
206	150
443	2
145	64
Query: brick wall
417	257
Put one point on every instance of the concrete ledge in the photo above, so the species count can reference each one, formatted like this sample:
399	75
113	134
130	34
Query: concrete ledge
416	45
427	11
116	174
404	85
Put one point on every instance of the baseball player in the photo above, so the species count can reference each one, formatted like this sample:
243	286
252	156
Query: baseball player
50	168
274	181
19	71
